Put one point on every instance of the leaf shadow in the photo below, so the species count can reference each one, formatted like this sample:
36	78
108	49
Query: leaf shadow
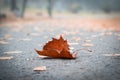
50	58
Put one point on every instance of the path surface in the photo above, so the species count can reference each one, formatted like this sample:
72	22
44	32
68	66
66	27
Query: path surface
18	58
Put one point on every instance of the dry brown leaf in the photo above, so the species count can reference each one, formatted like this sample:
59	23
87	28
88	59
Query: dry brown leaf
108	33
41	68
25	39
3	42
57	48
105	33
45	37
117	34
7	36
114	55
13	52
37	28
88	44
6	58
88	40
118	38
73	43
76	38
94	36
34	34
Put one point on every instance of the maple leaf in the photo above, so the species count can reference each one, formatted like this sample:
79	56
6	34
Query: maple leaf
57	48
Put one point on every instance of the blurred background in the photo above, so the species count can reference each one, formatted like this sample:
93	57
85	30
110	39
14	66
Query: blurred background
52	8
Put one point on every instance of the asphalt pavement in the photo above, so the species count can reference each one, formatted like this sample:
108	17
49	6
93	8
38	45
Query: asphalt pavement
18	57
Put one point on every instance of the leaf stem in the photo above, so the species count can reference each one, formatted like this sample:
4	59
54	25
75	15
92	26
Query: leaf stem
82	49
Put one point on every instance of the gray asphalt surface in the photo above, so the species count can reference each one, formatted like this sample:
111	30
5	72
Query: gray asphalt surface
103	63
